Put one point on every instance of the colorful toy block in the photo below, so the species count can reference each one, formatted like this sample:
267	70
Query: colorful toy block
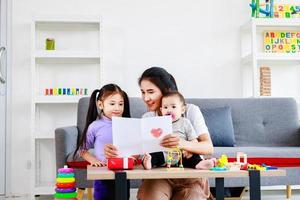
65	91
267	9
282	42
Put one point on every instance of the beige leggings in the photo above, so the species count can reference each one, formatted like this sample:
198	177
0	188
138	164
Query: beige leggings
174	189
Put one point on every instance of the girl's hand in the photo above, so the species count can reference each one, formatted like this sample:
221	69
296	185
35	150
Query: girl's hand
110	151
98	163
171	141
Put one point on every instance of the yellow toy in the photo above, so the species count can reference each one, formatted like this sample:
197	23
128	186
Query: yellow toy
223	161
256	167
221	164
174	158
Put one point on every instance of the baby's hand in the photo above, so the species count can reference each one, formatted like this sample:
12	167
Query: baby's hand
135	158
186	154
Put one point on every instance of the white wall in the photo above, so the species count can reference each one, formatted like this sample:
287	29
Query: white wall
197	41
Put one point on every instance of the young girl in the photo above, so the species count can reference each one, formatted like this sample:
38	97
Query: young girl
110	101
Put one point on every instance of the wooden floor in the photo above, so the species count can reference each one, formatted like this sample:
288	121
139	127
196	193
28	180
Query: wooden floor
266	195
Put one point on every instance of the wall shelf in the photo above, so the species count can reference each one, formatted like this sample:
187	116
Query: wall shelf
285	69
75	63
271	57
44	137
270	22
57	99
66	54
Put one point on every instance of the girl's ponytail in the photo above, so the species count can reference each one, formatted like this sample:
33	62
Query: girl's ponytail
126	112
91	116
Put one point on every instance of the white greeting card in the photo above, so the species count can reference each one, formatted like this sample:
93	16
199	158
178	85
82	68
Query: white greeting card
137	136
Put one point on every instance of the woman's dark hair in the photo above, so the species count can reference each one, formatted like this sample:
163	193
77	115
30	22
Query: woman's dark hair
161	78
93	114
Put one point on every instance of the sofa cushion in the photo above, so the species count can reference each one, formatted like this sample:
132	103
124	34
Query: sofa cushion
219	124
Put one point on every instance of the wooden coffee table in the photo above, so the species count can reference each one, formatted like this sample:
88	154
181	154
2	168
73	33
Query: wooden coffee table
121	177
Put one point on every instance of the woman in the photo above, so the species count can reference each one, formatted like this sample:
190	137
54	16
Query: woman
155	82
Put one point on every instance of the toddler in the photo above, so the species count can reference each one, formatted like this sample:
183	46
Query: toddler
173	104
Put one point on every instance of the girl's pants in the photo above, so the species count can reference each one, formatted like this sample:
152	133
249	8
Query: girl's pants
105	190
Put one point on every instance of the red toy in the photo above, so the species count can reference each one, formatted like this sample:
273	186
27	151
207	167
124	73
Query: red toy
120	163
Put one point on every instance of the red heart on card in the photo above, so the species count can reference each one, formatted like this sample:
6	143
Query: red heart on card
156	132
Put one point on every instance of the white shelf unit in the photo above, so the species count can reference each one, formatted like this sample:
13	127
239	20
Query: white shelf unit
75	63
285	71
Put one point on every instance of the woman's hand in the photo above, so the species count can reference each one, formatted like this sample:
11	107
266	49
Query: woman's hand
171	141
110	151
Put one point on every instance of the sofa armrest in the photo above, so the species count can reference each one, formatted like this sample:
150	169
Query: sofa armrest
65	143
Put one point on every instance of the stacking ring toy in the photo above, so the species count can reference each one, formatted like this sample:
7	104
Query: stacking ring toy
65	185
65	190
65	180
65	195
66	170
65	175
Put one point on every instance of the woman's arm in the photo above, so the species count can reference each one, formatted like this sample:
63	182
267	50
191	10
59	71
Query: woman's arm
203	146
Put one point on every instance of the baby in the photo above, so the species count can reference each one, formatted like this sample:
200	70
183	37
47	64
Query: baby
174	104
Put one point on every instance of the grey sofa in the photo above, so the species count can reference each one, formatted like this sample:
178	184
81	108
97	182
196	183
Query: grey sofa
263	127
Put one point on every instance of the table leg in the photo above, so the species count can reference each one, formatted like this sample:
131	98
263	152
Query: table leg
219	188
254	182
121	185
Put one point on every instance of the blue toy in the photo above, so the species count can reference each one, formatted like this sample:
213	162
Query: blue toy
269	167
268	11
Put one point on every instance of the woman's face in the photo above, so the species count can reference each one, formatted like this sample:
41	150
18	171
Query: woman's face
151	95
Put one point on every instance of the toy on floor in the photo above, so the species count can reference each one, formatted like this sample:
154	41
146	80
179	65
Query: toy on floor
65	184
174	158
